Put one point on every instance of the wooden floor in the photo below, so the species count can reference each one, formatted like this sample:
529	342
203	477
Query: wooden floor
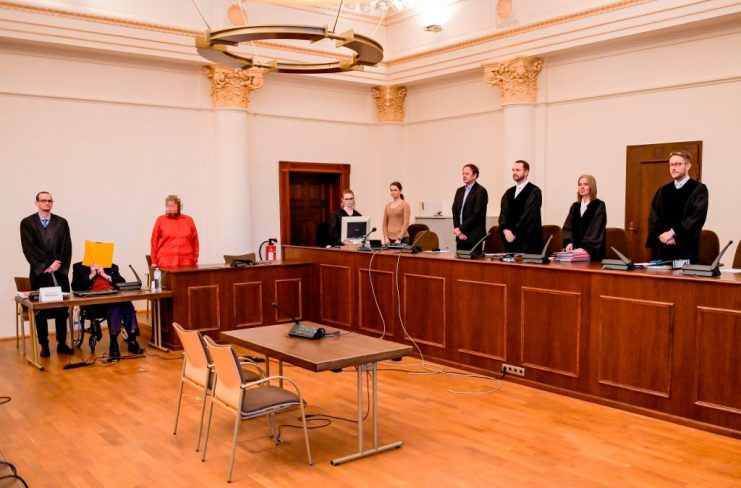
112	426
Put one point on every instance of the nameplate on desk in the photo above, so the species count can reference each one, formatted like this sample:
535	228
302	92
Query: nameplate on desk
51	294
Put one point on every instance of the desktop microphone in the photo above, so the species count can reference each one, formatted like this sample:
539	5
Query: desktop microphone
363	247
295	320
472	254
412	249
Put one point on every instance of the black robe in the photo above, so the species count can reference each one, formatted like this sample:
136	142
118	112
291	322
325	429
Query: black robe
587	231
335	225
473	224
683	210
521	216
42	246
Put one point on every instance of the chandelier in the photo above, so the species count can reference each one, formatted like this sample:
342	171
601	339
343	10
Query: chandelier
214	45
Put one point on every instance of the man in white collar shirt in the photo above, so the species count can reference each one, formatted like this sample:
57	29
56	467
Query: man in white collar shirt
469	210
519	217
678	212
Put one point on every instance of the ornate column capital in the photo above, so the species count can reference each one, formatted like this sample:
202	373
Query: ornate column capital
231	88
390	103
517	79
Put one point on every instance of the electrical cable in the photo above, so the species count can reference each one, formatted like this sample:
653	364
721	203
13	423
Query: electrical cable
338	16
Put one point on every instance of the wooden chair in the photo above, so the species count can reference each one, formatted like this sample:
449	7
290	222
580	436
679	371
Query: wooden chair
198	372
494	243
556	243
428	241
618	238
230	258
22	283
232	391
709	247
415	229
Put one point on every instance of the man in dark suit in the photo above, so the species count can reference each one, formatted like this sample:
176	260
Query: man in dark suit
47	245
519	217
469	210
678	212
94	277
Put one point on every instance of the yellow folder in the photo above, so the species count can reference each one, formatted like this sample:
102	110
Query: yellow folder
100	253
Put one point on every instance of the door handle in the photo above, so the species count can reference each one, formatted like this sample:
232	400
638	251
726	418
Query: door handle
632	226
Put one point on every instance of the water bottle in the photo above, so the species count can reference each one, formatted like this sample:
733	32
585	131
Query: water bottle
157	279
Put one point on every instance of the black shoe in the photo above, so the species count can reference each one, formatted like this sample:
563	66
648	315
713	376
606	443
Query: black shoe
113	350
45	352
63	348
134	347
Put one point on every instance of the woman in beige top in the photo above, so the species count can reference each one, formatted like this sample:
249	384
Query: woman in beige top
396	217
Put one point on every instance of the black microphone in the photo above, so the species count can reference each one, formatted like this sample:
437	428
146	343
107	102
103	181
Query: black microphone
275	305
368	234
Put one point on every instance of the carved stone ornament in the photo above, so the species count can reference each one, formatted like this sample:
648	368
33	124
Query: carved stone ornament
390	103
231	88
517	79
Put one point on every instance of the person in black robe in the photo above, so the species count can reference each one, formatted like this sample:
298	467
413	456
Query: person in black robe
519	216
95	277
469	211
335	222
586	223
47	245
678	212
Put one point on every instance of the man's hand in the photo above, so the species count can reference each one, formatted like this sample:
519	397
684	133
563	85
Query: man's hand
666	237
568	247
509	235
53	267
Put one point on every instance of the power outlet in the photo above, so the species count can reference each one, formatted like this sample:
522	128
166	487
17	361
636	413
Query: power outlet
515	370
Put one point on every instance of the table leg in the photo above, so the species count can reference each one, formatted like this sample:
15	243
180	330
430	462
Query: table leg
71	320
35	360
372	367
280	372
156	341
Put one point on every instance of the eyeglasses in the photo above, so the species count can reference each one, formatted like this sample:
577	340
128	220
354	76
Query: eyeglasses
45	201
676	165
349	198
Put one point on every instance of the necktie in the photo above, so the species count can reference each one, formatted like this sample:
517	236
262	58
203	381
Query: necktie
463	203
45	223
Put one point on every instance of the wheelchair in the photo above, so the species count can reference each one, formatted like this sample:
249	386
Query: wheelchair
95	315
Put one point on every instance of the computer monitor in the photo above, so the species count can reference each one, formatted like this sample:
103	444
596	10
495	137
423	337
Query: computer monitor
354	229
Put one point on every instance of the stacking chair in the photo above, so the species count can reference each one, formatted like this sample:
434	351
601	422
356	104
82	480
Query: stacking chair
415	229
234	392
428	241
198	371
709	247
556	243
494	243
22	283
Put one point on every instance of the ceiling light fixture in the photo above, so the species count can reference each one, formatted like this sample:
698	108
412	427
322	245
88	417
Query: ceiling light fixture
433	28
214	44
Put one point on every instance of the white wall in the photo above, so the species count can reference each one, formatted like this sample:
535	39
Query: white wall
130	131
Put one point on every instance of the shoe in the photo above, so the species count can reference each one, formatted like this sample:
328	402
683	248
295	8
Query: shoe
63	348
113	350
45	352
134	347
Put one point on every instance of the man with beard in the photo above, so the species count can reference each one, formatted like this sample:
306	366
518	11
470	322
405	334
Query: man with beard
519	217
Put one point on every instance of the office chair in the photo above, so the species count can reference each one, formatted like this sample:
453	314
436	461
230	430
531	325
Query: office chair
415	229
198	372
428	241
616	237
233	391
494	243
709	247
556	243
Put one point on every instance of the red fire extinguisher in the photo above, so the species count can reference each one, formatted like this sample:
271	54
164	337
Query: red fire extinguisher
271	251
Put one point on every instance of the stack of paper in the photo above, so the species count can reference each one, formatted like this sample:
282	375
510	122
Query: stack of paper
571	256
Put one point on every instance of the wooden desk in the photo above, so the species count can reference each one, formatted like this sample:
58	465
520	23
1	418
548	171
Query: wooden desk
213	298
655	343
72	301
328	353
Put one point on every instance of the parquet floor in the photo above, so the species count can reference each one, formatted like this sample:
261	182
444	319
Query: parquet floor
111	426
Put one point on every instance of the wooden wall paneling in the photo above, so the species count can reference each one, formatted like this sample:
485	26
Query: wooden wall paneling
288	295
551	330
247	304
204	311
717	381
383	285
424	308
336	294
480	326
635	345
